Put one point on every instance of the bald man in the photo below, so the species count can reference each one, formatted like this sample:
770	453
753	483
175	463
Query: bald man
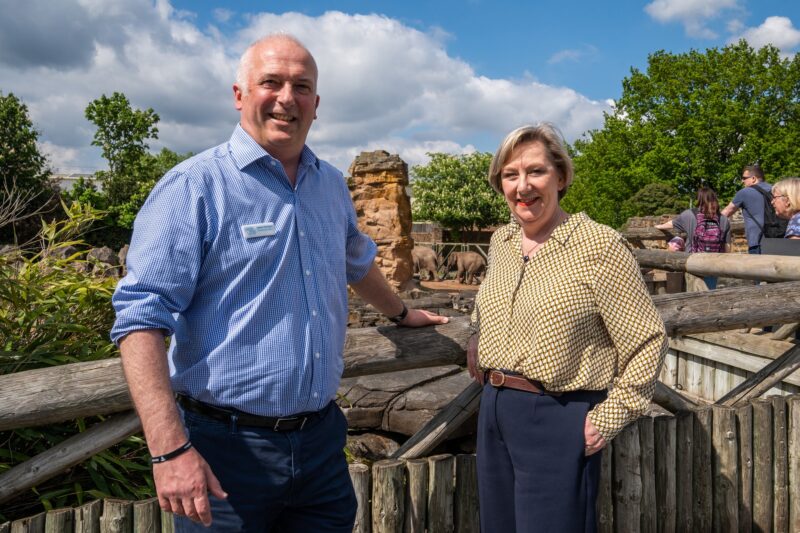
242	256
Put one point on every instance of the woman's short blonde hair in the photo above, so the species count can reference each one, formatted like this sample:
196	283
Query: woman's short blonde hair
791	188
554	145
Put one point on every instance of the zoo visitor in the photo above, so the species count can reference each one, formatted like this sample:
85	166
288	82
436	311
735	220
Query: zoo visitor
242	255
754	200
786	202
706	229
566	341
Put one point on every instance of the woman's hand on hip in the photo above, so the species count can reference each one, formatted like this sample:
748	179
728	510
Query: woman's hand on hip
594	441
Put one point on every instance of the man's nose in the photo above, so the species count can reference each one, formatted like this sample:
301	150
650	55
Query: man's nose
286	94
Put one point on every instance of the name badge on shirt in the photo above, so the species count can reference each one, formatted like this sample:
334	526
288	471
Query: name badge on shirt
252	231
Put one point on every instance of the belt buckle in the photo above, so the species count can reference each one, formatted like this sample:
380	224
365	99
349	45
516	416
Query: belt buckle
277	426
493	382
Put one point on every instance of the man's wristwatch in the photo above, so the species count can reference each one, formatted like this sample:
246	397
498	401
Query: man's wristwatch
399	318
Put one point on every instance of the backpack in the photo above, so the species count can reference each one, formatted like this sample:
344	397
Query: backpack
773	227
707	236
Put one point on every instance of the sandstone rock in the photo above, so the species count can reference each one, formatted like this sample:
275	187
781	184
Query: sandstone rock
378	188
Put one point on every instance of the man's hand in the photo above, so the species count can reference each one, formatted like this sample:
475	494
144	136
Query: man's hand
418	317
594	440
183	484
472	359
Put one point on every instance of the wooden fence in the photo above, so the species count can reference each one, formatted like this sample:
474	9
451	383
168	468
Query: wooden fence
713	469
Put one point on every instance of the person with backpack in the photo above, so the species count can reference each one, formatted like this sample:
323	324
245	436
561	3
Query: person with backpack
786	202
707	230
755	200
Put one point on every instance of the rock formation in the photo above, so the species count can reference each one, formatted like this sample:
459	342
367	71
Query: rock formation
378	188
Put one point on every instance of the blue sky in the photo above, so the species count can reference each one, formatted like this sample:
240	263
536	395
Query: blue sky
408	77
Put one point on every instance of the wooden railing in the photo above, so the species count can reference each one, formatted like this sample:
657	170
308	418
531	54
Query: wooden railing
60	393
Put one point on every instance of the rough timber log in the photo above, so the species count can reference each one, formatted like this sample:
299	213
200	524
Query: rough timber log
653	234
63	392
742	266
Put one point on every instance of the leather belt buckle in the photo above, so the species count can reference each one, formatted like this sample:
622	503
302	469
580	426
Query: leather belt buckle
496	379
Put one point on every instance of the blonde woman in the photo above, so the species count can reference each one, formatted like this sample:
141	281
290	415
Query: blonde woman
786	201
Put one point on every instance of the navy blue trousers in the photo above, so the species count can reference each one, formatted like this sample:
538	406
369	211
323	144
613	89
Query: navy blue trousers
533	475
276	481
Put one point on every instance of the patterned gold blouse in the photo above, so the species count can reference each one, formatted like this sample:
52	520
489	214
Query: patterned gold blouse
575	316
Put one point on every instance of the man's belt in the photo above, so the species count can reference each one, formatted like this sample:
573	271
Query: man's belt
497	378
229	416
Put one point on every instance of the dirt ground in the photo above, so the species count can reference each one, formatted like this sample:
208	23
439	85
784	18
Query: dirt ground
447	286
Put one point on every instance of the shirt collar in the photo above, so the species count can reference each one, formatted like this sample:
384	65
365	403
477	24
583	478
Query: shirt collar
561	233
245	151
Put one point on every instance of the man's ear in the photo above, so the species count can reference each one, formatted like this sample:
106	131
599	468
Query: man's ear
237	97
316	106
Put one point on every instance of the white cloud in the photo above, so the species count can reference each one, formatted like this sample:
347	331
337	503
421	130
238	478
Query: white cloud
383	85
572	55
223	15
693	14
777	31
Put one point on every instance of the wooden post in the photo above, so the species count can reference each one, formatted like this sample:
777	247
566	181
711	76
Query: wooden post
794	463
167	522
648	468
627	477
32	524
147	516
87	517
388	505
781	465
664	429
669	372
744	427
417	496
694	375
726	498
605	495
702	484
467	516
359	476
117	516
684	499
441	470
762	465
708	380
58	521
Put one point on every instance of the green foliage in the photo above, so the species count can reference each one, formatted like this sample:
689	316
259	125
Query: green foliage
453	191
122	133
23	169
654	199
691	119
53	311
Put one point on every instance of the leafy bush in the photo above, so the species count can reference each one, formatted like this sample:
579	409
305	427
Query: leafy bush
53	311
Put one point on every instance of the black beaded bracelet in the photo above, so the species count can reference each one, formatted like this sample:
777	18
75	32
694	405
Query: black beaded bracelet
171	455
399	318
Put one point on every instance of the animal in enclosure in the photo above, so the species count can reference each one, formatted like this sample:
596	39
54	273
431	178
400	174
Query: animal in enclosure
469	266
425	260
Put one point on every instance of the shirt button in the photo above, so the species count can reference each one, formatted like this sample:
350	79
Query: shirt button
308	272
316	355
314	313
302	233
316	395
273	163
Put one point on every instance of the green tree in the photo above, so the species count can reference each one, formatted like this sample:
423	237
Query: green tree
691	119
122	134
26	190
654	199
453	191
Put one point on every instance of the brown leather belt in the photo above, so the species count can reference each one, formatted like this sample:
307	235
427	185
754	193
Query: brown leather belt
499	379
